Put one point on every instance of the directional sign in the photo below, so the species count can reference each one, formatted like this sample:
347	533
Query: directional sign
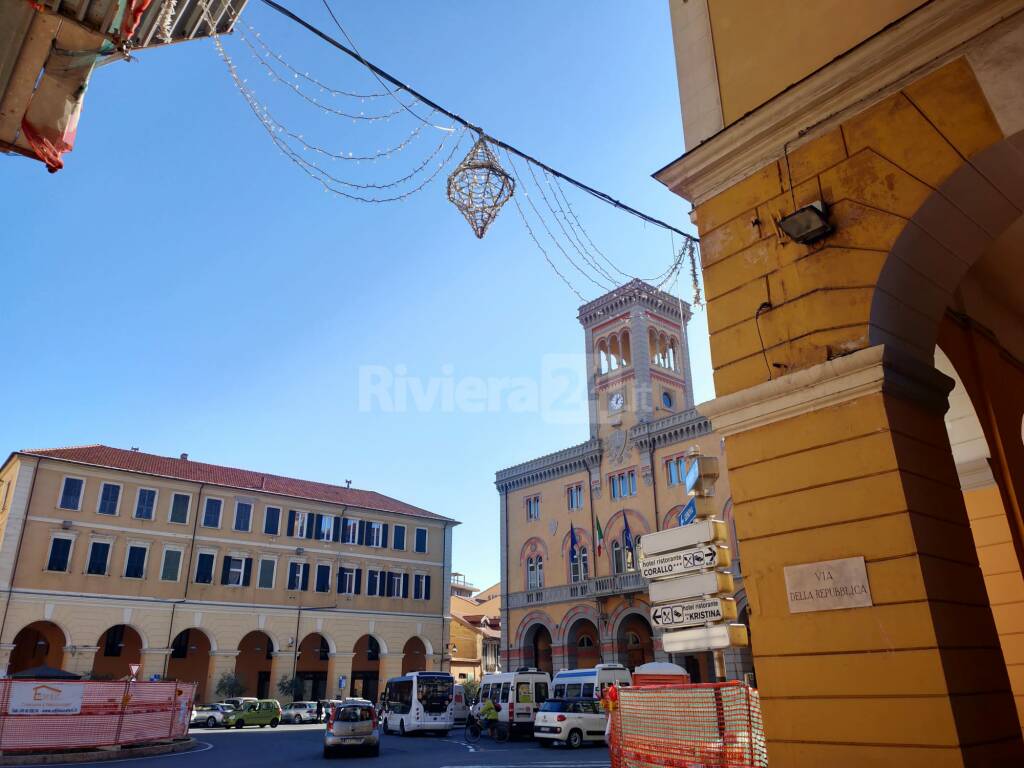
692	474
688	513
711	638
693	612
695	585
134	669
673	539
684	561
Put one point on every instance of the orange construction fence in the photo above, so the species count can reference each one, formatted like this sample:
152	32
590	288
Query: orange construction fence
44	715
707	725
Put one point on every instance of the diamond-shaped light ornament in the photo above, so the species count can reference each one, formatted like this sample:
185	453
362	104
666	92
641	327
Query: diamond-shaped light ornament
479	187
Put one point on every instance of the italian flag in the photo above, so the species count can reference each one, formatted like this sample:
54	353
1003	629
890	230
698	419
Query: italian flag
600	536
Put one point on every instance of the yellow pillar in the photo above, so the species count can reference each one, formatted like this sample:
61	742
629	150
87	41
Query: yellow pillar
846	460
282	665
390	666
340	665
221	663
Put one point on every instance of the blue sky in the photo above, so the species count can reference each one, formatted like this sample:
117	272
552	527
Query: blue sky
180	286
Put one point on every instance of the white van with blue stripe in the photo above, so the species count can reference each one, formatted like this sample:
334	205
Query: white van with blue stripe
588	683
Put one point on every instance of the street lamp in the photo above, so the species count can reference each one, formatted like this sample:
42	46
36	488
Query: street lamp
807	224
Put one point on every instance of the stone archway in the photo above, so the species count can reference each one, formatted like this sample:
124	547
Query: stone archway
119	647
537	649
254	664
189	660
583	644
366	682
38	644
635	641
414	656
311	666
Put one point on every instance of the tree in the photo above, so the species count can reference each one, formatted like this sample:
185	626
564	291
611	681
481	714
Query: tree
230	685
290	687
472	687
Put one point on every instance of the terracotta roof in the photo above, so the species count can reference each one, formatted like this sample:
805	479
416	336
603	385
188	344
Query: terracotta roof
198	472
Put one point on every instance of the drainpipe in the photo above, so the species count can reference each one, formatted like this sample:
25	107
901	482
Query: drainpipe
654	483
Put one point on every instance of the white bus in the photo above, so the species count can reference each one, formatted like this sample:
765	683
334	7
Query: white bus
419	701
588	683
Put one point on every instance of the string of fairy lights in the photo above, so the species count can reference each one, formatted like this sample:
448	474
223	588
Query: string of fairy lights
480	183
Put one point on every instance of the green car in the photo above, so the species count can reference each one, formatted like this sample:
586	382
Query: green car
262	713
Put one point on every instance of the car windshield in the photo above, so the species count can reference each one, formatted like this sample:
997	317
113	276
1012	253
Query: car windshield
553	705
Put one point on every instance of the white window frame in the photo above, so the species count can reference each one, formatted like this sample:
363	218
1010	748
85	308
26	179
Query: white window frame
188	508
405	537
422	577
163	562
374	534
71	550
252	513
316	570
350	524
426	540
138	497
110	552
145	561
213	571
99	497
533	507
273	574
347	586
232	557
398	584
301	521
220	517
280	519
60	494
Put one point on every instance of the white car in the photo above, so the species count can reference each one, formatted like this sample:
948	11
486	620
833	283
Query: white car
352	723
299	712
570	721
210	715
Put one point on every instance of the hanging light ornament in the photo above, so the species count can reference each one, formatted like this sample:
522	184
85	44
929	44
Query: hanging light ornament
479	187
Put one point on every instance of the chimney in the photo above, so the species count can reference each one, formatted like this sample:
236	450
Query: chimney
135	448
184	457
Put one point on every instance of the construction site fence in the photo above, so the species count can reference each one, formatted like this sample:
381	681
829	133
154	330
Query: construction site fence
703	725
52	715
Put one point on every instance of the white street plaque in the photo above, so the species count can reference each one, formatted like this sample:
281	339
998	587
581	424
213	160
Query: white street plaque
692	613
684	561
828	586
711	638
671	539
696	585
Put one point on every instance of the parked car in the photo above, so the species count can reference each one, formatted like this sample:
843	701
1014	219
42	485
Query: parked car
299	712
238	701
210	715
517	696
352	723
570	721
262	712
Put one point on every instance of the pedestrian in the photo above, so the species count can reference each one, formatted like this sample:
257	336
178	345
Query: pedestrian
319	710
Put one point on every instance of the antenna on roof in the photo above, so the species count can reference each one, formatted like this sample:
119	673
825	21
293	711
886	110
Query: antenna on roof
135	448
348	483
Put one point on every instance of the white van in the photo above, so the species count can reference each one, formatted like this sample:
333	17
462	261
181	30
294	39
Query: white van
589	683
517	695
460	708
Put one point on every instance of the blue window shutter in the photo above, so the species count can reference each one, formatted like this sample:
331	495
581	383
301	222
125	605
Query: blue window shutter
426	587
371	582
336	531
310	524
318	530
359	580
225	570
384	536
405	585
341	573
291	522
305	577
390	587
362	533
247	572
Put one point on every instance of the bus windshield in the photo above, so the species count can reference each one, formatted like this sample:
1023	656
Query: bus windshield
435	693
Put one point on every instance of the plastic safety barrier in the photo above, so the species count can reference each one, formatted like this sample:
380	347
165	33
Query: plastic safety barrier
707	725
42	715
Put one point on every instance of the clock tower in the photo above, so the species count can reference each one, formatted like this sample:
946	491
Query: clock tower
638	360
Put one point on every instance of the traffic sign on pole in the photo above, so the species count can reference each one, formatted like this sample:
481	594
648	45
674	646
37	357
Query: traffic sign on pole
684	561
673	539
134	669
713	638
688	513
693	612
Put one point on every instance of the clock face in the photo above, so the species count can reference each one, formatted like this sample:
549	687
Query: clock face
616	401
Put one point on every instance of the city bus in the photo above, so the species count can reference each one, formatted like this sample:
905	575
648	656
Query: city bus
419	701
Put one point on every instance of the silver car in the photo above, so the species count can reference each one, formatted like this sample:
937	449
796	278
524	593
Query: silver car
210	715
352	723
299	712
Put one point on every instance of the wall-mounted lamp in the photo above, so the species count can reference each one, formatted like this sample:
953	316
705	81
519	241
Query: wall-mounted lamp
299	550
67	525
807	224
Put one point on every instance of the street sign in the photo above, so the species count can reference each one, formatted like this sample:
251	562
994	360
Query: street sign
695	585
692	474
688	513
684	561
715	637
693	613
341	683
134	669
673	539
701	476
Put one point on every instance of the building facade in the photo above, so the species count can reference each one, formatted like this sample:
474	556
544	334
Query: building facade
869	378
112	557
558	612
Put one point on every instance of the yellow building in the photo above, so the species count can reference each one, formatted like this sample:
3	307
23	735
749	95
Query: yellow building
629	476
111	557
856	171
476	638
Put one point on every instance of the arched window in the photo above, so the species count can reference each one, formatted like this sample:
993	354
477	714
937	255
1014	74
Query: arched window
627	355
613	352
672	354
602	356
585	641
531	573
618	564
652	344
540	572
580	570
663	351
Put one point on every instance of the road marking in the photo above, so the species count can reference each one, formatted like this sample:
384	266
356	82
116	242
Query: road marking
204	747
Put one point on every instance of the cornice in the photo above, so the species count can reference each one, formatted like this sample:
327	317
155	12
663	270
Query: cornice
677	428
565	462
634	293
883	64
